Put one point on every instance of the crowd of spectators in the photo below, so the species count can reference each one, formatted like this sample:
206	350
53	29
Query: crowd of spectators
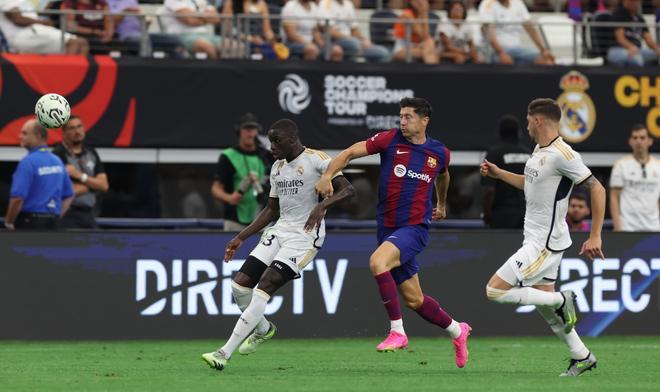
428	31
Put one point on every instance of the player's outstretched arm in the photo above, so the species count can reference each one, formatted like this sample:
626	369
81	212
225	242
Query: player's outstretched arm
324	185
493	171
343	190
441	187
265	216
592	246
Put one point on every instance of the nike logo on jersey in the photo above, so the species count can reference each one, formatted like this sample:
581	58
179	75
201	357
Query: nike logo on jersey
399	152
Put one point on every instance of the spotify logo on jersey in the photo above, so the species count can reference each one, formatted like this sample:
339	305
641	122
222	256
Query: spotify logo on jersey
400	170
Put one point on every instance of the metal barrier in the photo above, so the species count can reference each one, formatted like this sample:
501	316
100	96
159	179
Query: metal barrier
572	40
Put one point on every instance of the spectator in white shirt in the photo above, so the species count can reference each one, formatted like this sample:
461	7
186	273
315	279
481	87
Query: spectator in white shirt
27	33
345	32
503	22
196	31
302	33
635	186
456	37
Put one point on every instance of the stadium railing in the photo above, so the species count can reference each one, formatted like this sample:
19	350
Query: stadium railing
218	224
571	42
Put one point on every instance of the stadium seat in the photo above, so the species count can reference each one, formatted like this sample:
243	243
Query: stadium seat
434	19
275	10
382	33
558	32
598	38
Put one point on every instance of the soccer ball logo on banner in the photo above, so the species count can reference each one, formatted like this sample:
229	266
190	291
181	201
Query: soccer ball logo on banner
294	95
52	110
578	110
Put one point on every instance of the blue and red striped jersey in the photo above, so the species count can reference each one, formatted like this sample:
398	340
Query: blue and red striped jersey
407	175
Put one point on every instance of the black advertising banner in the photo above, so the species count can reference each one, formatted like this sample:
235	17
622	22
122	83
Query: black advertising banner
187	104
126	285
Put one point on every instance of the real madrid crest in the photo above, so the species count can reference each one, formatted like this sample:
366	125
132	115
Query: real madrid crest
579	114
300	170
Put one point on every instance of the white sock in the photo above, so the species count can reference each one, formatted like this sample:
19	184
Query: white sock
247	321
397	326
243	296
454	329
575	346
525	296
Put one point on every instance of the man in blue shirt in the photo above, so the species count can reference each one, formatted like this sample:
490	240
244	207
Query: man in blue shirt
41	190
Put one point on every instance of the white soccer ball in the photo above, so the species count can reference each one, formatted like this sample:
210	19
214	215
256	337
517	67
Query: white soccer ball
52	110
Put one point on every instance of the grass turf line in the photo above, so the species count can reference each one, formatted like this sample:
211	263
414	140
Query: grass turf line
625	363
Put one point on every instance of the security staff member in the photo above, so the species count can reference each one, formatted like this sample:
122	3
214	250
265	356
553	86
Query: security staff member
504	205
86	171
40	190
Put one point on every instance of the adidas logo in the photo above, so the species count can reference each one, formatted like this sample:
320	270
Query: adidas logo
292	259
519	264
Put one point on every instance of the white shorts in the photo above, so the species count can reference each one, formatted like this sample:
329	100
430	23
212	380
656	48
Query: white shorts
40	39
293	247
531	265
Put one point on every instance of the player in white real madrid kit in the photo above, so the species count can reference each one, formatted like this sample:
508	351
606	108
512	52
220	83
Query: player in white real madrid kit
529	276
635	186
284	249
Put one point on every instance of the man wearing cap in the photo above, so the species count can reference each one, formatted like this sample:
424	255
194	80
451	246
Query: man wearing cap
241	170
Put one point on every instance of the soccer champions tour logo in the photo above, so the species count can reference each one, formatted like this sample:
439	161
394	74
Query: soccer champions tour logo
606	288
346	99
185	284
293	94
579	112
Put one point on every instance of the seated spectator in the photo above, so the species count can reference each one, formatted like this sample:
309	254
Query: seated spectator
345	32
260	33
196	31
25	32
578	212
422	45
302	33
628	48
96	28
129	29
503	20
456	37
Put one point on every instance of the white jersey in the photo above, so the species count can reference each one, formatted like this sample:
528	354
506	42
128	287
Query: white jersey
550	174
640	190
293	183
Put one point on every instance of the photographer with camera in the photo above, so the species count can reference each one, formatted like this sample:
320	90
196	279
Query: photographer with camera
241	170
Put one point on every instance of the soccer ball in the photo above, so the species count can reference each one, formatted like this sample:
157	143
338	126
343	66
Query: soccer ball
52	110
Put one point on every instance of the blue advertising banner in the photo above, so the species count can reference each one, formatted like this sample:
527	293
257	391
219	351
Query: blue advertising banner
136	285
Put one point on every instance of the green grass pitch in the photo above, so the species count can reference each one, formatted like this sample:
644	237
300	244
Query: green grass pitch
496	364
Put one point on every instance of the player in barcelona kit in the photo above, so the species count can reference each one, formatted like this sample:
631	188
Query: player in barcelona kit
413	165
287	247
528	277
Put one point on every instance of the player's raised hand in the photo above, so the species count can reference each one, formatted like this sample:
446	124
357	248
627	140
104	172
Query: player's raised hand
439	213
489	169
592	248
232	247
315	218
324	187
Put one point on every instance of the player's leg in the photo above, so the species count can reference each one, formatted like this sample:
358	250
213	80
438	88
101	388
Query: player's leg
429	309
275	276
581	358
385	258
243	284
506	285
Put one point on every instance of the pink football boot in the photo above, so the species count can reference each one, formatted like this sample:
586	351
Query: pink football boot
394	341
460	345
